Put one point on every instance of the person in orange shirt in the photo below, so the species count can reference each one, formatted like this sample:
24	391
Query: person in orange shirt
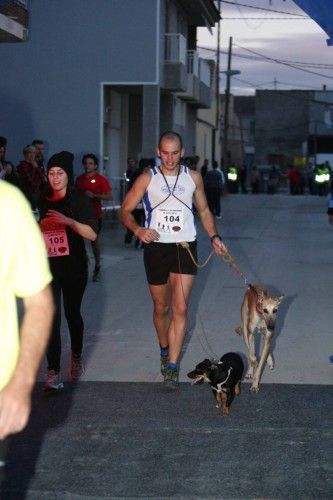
97	188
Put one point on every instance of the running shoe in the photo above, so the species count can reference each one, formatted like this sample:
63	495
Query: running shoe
76	368
96	274
52	382
164	364
171	378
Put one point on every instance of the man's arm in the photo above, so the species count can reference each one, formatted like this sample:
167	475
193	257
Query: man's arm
206	217
35	330
132	198
107	196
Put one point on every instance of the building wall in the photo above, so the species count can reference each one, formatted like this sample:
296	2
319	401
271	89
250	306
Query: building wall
203	142
206	122
52	84
281	124
321	113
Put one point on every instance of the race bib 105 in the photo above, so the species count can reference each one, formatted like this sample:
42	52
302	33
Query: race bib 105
56	243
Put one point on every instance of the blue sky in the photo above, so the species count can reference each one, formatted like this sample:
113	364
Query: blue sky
298	41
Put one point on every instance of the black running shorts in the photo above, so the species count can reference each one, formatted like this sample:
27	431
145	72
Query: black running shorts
161	259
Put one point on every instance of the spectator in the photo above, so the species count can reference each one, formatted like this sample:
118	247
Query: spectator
213	183
310	175
31	177
39	156
330	210
242	178
294	179
204	168
255	180
273	180
131	167
7	169
322	179
189	161
233	178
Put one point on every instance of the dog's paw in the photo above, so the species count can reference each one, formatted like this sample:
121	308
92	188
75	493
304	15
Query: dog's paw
249	374
254	389
270	362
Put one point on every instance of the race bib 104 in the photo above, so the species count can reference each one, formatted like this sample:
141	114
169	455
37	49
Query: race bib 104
169	221
56	243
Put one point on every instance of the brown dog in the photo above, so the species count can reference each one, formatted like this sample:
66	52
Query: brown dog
258	313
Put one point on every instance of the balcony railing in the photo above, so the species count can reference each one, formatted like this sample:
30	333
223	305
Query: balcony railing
14	20
192	62
175	48
204	72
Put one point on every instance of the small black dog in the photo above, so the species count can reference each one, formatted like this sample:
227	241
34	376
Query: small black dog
223	376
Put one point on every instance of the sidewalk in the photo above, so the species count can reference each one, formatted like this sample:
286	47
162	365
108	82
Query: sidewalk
118	434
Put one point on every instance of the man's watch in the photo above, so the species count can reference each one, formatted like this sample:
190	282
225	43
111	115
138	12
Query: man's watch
212	238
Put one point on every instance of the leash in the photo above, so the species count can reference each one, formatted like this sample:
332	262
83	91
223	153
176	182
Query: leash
228	258
231	261
207	349
185	245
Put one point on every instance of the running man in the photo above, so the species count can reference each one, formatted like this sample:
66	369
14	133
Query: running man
168	192
97	188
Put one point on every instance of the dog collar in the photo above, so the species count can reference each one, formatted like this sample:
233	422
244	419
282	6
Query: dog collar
220	384
258	309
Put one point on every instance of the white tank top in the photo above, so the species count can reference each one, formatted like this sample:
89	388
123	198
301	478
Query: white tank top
168	206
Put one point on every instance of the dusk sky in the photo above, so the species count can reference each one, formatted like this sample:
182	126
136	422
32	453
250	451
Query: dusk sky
297	41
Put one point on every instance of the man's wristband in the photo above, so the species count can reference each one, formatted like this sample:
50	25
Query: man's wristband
212	238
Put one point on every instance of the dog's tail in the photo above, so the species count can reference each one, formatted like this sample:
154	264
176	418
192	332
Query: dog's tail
239	330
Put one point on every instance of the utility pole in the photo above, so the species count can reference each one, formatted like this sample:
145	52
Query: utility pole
229	73
216	132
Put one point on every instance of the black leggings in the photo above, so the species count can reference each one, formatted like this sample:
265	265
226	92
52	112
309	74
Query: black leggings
72	288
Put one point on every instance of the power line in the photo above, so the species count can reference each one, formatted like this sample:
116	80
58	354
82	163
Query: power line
263	8
277	61
283	93
278	129
263	58
265	19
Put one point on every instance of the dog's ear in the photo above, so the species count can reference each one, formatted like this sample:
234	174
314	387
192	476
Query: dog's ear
279	298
